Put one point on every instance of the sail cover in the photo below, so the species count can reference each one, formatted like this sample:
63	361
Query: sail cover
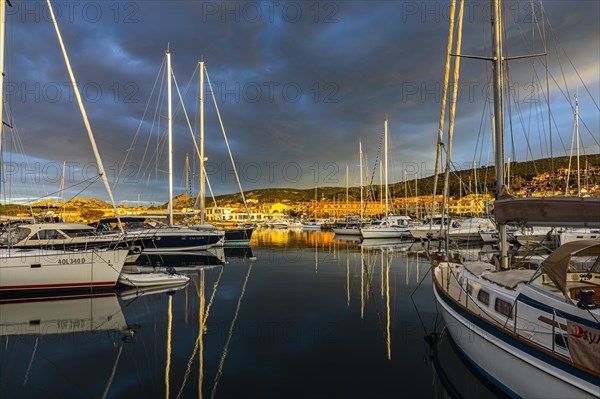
547	211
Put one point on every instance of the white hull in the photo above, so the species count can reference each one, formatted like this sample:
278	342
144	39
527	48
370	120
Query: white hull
384	232
32	270
536	237
471	236
488	237
152	279
425	233
515	371
311	227
347	231
578	234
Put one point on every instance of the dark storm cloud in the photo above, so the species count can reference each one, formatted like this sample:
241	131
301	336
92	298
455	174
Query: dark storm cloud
297	83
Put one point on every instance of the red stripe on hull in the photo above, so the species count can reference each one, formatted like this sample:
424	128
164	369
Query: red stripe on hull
57	286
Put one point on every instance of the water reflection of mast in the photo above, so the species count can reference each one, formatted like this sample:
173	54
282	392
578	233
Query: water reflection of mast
226	347
203	312
169	327
407	273
201	325
418	278
347	277
316	252
382	282
114	370
387	298
362	286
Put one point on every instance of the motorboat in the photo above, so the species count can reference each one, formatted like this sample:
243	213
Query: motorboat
41	270
470	230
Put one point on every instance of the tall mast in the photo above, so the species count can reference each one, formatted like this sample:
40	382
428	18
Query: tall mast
315	203
346	191
360	162
86	122
2	31
202	195
577	139
187	174
405	195
62	190
385	150
497	69
380	185
170	135
417	193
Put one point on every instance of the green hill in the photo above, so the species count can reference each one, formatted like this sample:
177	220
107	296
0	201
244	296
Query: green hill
520	172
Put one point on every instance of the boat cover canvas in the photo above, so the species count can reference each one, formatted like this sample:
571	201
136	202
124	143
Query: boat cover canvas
510	278
547	211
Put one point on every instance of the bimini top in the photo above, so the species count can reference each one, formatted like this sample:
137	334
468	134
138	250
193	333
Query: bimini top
557	263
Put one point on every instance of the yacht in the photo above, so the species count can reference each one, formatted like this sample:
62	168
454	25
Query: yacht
160	237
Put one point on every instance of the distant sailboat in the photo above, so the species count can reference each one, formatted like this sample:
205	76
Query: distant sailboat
351	227
236	236
391	226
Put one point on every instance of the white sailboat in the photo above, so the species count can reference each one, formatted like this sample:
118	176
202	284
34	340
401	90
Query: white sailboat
315	224
41	270
533	333
349	227
236	236
170	237
391	226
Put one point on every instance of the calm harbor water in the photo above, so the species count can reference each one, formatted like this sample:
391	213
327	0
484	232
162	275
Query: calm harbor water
299	314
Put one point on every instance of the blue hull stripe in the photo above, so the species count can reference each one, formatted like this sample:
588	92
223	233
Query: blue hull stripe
539	305
487	375
508	339
174	242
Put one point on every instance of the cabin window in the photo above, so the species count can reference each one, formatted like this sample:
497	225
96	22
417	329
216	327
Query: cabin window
469	288
483	297
77	233
47	235
461	280
503	307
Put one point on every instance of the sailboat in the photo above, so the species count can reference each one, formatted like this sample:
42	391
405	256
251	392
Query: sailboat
352	227
312	225
390	226
533	333
237	236
41	269
169	237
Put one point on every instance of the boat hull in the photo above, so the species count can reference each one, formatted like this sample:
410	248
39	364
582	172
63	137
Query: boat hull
426	233
41	271
514	367
311	227
180	239
346	231
238	237
152	279
384	233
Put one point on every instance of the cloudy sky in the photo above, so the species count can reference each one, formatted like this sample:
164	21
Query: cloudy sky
298	84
